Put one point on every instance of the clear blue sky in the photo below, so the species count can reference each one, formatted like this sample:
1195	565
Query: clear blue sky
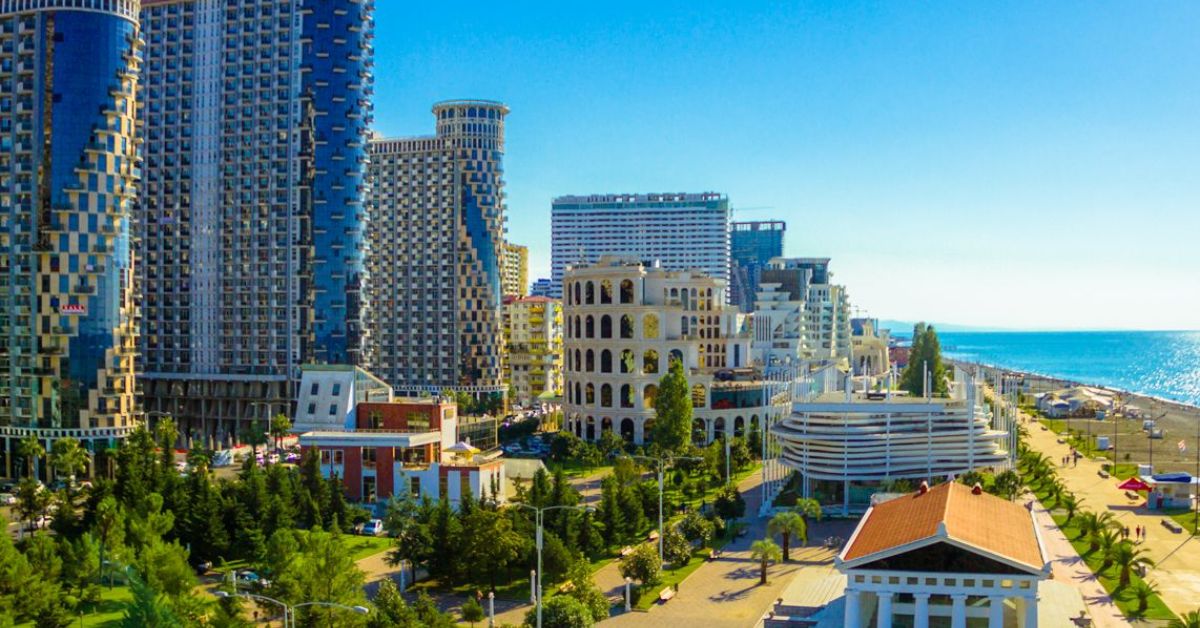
1024	165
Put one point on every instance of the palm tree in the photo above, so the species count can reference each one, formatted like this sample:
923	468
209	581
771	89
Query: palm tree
1085	523
1190	619
786	524
808	508
1071	504
1127	558
30	448
1143	591
68	457
255	437
281	426
1106	540
764	551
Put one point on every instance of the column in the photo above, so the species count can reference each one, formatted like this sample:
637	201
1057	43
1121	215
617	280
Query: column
996	611
883	617
921	615
851	618
958	613
1031	612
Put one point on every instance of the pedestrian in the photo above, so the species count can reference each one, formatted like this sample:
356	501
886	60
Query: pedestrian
1137	532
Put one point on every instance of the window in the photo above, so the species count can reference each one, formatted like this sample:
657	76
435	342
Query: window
312	409
464	485
414	487
443	483
315	388
332	409
626	291
650	326
369	457
650	361
337	389
325	456
368	489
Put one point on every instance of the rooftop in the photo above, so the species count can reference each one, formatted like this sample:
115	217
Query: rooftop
949	512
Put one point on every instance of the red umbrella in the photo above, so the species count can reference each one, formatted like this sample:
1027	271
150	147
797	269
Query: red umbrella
1134	484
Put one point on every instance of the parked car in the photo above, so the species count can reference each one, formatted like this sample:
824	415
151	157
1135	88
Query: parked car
203	567
373	527
7	499
250	579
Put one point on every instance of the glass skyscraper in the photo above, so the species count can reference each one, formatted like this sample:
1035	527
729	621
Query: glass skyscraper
437	244
69	173
256	116
751	246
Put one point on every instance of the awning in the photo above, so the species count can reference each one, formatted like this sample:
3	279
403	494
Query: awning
1134	484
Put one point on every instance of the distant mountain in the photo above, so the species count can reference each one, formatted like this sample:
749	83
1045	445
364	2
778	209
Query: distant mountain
904	328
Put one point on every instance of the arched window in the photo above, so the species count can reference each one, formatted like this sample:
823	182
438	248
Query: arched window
578	390
578	327
650	361
578	361
699	396
626	327
606	396
648	430
590	432
676	356
590	327
606	326
627	430
739	426
578	290
626	396
589	293
606	291
589	396
606	361
649	394
627	361
699	432
606	424
683	326
718	426
626	291
650	326
591	361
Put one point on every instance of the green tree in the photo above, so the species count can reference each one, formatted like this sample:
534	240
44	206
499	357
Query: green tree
1071	504
1142	591
32	500
589	537
925	355
676	549
1127	557
561	611
633	515
765	551
583	588
610	510
642	565
68	457
472	612
445	533
696	528
407	523
728	503
673	410
255	436
31	449
489	542
322	570
1007	484
281	426
808	508
788	524
147	609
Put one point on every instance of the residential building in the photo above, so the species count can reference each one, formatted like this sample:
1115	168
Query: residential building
515	272
252	216
69	171
626	322
869	346
381	447
799	315
533	329
850	443
541	288
951	555
436	236
680	231
751	246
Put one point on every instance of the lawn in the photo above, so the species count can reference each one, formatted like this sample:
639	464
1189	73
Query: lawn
575	469
361	547
1109	578
108	612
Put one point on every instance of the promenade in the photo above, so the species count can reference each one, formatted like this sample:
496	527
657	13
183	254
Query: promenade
1176	556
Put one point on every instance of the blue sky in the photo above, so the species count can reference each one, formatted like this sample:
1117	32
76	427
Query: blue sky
1022	165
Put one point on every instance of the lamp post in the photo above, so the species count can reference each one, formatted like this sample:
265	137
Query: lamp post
628	582
283	605
361	610
290	611
662	462
539	518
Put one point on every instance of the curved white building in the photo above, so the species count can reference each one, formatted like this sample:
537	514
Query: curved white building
846	446
625	322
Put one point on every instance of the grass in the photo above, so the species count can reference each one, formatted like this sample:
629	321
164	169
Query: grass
515	589
361	547
575	469
108	612
1184	517
1109	578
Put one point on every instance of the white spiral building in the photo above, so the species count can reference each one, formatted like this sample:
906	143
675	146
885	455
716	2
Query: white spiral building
848	446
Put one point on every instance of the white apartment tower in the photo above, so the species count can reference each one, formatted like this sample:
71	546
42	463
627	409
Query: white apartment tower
680	231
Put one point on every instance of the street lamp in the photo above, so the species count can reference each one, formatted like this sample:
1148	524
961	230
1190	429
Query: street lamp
539	518
662	462
283	605
290	611
361	610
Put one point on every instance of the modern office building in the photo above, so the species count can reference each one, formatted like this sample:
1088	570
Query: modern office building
751	246
541	288
514	280
252	217
69	173
436	235
533	331
681	231
848	443
626	322
799	315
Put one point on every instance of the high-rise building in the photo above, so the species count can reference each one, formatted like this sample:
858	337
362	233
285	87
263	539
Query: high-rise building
799	315
68	177
515	271
626	323
533	331
751	246
256	117
540	288
681	231
437	228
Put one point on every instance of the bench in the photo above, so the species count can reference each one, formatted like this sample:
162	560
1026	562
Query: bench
1132	496
1171	525
1102	473
666	595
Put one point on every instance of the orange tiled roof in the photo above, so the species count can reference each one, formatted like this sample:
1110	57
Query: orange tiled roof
994	525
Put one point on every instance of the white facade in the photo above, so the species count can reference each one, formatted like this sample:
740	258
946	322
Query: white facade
799	316
626	322
681	231
329	395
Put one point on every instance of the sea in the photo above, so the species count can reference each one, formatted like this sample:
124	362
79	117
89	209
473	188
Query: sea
1163	364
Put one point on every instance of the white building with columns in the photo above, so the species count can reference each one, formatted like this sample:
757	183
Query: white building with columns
951	555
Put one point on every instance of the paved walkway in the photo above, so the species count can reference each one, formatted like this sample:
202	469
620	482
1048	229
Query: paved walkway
1176	556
